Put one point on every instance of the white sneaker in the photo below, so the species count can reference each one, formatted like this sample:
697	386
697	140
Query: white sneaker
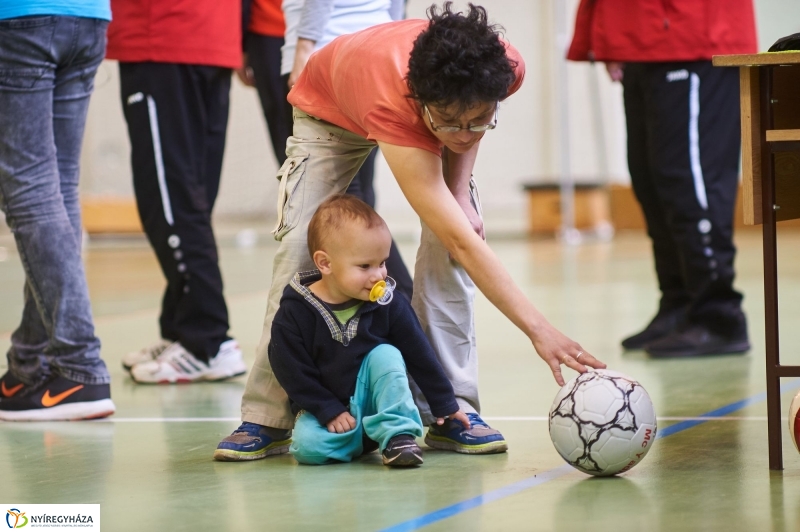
146	354
176	365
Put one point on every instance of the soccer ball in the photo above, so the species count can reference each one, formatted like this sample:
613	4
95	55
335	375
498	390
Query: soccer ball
602	422
794	421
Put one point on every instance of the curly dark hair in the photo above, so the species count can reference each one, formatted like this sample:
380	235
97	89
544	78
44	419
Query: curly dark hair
459	59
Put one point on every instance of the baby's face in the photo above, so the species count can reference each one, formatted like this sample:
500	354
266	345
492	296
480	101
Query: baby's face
358	260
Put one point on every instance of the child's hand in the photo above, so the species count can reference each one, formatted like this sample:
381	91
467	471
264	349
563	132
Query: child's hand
459	416
342	423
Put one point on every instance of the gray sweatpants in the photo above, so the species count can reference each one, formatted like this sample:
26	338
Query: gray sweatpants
321	161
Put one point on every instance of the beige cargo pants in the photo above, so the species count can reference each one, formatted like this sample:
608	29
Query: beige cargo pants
322	160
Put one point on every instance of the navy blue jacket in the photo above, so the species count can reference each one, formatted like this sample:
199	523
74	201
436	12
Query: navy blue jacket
317	359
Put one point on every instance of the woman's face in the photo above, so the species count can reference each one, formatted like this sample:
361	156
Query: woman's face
453	115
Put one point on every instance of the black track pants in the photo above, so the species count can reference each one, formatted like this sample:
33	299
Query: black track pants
683	156
177	117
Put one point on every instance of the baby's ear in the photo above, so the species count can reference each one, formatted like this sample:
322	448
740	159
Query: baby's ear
322	262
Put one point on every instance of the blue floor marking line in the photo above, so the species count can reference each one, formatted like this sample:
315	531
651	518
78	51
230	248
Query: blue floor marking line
536	480
723	411
491	496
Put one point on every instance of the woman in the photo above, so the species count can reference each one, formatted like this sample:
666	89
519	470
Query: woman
425	92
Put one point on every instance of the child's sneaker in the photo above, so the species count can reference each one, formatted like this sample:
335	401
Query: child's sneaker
251	442
480	438
145	354
59	399
177	365
402	451
11	386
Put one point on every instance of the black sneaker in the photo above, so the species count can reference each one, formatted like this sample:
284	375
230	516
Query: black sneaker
402	451
660	326
59	399
10	386
697	340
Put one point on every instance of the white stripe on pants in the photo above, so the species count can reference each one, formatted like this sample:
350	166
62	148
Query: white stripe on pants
321	161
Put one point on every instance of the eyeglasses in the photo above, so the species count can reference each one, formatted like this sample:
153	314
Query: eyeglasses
479	128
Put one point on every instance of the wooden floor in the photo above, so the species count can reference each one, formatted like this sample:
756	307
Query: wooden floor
150	467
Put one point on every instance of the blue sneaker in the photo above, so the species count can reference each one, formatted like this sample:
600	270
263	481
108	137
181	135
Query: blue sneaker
479	439
251	442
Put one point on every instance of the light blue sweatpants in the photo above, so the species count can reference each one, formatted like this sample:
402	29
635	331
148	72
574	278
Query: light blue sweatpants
382	406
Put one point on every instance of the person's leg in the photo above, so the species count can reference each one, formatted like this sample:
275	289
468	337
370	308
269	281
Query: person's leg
50	64
384	397
74	86
718	145
666	255
383	400
313	444
40	134
322	160
444	303
176	116
215	84
695	155
443	300
264	56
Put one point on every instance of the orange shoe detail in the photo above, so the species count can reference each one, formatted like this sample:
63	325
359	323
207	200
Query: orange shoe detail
48	401
8	392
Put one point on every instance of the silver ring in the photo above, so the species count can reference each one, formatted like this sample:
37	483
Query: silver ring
579	355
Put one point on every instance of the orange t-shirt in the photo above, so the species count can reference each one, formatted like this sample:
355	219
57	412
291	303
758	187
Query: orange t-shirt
357	82
266	18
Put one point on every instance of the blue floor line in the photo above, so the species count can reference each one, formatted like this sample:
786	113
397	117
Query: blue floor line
536	480
724	411
491	496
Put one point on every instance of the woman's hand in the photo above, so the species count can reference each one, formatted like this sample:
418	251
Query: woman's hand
556	349
342	423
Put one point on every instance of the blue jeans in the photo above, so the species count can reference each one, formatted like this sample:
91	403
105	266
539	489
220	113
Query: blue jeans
47	68
382	406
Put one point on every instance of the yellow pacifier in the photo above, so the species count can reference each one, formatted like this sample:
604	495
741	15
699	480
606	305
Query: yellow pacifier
383	291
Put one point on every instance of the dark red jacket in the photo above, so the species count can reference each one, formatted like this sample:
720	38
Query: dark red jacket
195	32
662	30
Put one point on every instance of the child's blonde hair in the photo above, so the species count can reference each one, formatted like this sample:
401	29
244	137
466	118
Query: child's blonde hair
333	213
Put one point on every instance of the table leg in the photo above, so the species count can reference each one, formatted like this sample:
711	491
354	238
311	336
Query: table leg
770	277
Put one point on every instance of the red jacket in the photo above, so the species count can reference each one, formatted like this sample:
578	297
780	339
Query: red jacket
195	32
662	30
266	18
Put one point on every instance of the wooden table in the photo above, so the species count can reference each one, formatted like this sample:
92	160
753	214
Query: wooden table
770	106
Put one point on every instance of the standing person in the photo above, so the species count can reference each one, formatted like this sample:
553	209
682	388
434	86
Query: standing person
49	54
424	91
175	63
683	155
273	65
